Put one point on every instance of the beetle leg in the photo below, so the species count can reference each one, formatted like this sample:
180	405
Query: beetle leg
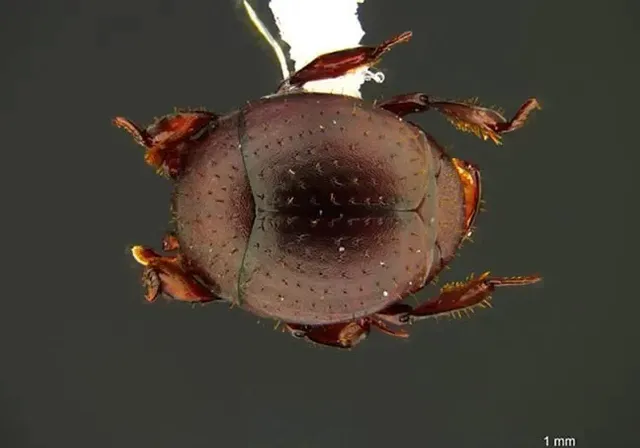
395	314
339	63
466	116
382	324
166	275
165	139
409	103
464	296
170	242
342	335
471	186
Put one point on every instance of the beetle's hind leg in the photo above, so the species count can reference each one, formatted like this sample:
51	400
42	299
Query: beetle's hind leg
484	122
339	63
455	298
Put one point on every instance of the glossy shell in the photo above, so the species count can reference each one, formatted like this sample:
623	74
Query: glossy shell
316	208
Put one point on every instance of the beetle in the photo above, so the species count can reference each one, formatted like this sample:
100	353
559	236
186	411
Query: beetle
321	211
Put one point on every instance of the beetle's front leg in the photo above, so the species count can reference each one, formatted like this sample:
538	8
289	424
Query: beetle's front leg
166	275
166	139
468	117
339	63
456	298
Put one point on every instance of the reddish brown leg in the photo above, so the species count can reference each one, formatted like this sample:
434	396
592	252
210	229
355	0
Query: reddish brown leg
170	243
343	335
339	63
396	314
166	275
472	189
464	296
167	138
468	117
454	299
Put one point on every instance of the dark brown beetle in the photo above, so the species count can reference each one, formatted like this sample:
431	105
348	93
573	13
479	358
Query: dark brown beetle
319	210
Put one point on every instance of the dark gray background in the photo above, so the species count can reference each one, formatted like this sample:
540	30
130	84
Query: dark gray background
84	362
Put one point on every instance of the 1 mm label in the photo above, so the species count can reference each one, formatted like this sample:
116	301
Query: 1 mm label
559	441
